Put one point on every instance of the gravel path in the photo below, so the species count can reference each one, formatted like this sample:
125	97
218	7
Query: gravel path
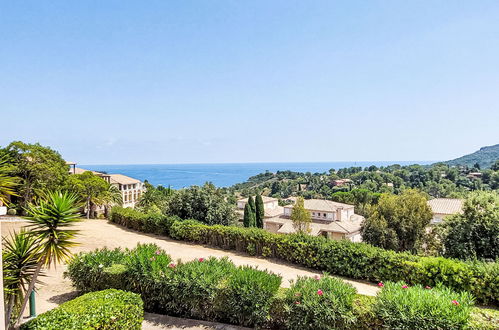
100	233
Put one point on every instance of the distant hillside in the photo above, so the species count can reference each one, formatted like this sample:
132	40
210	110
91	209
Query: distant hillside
486	156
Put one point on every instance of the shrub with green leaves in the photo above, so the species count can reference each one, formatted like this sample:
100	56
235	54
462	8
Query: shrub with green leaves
210	289
400	306
108	309
320	303
247	296
353	260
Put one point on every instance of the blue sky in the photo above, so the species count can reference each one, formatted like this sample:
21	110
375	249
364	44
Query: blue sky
108	82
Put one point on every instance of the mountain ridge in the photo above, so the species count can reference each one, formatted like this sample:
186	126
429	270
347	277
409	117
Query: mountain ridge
485	157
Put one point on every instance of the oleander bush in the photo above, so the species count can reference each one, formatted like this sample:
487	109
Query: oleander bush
108	309
320	303
344	258
400	306
216	290
353	260
210	289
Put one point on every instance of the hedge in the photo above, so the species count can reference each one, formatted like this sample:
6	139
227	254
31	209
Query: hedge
344	258
216	290
108	309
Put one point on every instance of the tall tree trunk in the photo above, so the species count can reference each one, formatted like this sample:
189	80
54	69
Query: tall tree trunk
30	289
88	208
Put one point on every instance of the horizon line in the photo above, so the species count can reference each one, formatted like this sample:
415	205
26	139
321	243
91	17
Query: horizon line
267	162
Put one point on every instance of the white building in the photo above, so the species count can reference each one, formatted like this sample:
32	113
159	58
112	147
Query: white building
443	207
329	219
131	189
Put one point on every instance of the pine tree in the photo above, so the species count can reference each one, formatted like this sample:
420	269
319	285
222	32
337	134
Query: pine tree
260	212
249	216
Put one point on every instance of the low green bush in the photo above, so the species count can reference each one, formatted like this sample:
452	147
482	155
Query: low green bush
11	212
247	296
353	260
320	303
344	258
400	306
108	309
210	289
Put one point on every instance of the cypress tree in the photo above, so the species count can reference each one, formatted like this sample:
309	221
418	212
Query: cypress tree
260	212
251	203
249	216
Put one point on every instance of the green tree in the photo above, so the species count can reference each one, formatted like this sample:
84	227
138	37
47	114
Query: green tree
20	258
398	222
7	182
38	168
251	203
495	166
50	223
260	211
301	217
475	232
207	204
91	189
248	217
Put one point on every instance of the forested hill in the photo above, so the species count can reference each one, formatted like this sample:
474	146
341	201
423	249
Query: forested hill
485	157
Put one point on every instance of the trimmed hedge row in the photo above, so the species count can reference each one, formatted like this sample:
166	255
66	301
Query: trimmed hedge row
217	290
209	289
353	260
344	258
108	309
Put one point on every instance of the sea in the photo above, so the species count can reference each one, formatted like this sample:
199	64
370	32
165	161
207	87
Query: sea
223	175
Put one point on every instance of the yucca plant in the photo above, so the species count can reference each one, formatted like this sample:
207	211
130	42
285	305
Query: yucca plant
51	220
20	259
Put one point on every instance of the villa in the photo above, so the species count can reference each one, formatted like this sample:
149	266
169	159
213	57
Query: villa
329	219
131	189
443	207
270	206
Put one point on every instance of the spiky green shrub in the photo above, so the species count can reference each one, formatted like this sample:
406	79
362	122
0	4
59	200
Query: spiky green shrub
400	306
106	310
320	303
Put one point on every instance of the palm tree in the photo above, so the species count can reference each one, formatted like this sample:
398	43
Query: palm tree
7	184
20	258
50	222
112	196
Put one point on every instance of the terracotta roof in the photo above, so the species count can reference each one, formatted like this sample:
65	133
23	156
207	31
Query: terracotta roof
323	205
446	205
274	212
264	198
122	179
344	227
78	170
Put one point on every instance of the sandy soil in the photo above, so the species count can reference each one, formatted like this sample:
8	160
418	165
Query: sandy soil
100	233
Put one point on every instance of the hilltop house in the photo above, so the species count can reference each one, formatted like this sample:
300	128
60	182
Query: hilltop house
443	207
329	219
131	189
270	206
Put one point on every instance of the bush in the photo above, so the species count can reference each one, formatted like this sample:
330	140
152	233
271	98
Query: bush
401	307
353	260
108	309
320	303
156	223
11	212
212	289
247	296
344	258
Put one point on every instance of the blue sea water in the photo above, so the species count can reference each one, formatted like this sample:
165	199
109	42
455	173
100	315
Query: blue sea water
222	175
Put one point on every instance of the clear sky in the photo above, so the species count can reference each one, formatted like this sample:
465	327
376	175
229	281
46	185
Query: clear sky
108	82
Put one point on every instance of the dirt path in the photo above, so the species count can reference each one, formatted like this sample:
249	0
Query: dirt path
100	233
